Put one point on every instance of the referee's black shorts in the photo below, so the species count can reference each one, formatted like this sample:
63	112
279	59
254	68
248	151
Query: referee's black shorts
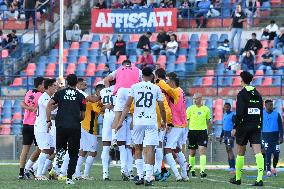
197	138
248	133
28	135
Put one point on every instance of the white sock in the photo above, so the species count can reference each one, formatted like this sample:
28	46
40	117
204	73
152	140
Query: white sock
129	160
64	165
28	165
79	165
139	166
158	160
89	162
172	163
41	161
149	172
183	164
123	158
46	166
105	158
55	166
35	166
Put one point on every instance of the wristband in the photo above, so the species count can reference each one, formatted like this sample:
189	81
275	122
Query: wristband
48	121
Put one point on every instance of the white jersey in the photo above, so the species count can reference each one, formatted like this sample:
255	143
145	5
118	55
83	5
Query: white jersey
107	97
40	123
145	95
83	93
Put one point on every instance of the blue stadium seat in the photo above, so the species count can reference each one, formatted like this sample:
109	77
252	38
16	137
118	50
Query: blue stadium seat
209	102
132	45
83	52
182	51
228	81
66	45
94	52
279	72
102	59
188	101
71	59
194	37
276	81
192	51
52	59
197	81
170	67
84	45
223	36
190	67
73	52
132	58
171	59
17	103
213	37
7	103
92	59
112	59
131	51
96	38
16	129
43	59
54	52
114	38
126	37
81	67
257	81
80	72
180	68
269	72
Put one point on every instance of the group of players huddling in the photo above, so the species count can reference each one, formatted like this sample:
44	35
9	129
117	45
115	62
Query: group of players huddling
145	111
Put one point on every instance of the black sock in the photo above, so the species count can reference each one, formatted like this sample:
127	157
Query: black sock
275	161
164	170
21	171
49	170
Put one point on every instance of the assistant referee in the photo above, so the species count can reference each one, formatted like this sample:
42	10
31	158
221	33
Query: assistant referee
248	123
199	121
71	111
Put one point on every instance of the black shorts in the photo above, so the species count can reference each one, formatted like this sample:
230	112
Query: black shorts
228	139
247	134
28	135
68	136
197	138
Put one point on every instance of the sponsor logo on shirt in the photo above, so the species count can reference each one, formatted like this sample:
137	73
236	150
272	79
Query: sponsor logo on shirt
70	95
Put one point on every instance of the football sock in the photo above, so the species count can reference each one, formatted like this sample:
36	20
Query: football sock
240	161
202	163
259	164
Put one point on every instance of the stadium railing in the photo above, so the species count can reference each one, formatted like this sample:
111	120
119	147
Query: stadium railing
218	86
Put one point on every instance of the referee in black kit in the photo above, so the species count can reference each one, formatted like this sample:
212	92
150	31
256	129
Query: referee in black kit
71	111
248	123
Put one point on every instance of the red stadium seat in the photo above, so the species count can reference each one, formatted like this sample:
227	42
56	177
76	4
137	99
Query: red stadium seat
181	59
71	68
259	73
153	38
50	73
91	69
267	81
121	59
210	72
236	81
5	53
258	59
103	38
275	2
18	81
203	37
202	52
218	117
82	60
97	80
101	67
218	102
207	81
162	59
183	37
238	72
264	43
260	52
94	45
232	58
134	38
280	58
65	52
184	44
75	45
51	66
5	130
203	44
17	116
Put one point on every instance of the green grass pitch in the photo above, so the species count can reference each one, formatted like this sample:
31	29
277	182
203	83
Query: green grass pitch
217	179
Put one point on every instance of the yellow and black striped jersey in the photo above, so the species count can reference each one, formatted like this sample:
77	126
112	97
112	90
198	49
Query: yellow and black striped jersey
90	123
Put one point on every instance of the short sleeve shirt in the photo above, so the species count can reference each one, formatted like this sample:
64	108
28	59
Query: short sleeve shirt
236	17
145	95
198	117
70	104
40	123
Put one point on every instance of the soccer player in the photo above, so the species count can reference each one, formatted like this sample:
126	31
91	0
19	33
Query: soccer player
125	76
228	123
199	124
248	125
88	137
272	136
71	111
41	130
107	99
176	100
30	106
145	130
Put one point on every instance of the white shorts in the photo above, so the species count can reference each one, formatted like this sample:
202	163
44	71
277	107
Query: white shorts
44	140
121	98
107	129
88	142
183	138
146	135
53	133
162	135
172	137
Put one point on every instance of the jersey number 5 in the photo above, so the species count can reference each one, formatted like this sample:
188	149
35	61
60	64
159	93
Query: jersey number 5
145	100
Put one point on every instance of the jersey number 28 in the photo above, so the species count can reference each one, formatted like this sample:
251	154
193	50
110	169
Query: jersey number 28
145	99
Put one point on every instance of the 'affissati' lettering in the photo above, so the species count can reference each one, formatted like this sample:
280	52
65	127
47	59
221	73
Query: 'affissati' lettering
134	20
